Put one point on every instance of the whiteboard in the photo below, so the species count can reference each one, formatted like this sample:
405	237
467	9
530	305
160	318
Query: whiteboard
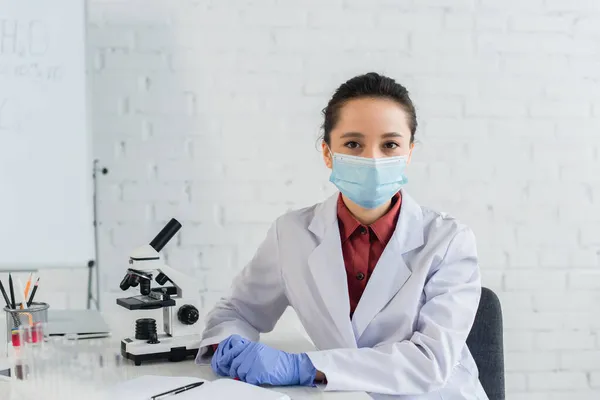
46	199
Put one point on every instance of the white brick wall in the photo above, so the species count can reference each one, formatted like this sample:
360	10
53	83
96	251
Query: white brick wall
203	107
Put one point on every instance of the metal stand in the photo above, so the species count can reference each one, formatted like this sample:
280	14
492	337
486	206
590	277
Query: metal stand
93	265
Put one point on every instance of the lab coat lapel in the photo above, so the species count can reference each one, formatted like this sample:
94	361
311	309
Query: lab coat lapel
326	264
391	271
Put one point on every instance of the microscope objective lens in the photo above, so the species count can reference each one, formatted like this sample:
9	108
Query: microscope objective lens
145	287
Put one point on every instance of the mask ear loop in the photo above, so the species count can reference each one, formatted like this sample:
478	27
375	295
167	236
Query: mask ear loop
409	157
330	154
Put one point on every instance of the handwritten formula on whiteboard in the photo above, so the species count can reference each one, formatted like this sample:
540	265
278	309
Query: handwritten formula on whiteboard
26	65
46	207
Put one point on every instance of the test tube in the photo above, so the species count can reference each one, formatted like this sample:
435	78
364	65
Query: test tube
37	336
112	368
90	361
19	353
36	354
72	363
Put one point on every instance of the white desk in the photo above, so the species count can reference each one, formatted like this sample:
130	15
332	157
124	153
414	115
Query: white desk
286	336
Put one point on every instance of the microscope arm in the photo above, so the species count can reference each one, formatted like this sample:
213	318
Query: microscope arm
147	260
182	282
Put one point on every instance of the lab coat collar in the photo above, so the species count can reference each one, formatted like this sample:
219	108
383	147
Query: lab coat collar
391	271
411	218
325	216
408	234
327	267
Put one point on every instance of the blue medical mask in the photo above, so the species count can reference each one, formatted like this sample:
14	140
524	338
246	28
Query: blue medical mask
369	182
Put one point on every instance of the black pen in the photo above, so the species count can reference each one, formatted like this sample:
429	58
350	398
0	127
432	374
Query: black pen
177	390
4	295
12	291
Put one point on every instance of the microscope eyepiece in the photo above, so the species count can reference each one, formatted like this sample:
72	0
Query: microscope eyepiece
165	235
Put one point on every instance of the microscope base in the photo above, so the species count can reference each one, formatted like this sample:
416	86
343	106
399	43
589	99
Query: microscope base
169	348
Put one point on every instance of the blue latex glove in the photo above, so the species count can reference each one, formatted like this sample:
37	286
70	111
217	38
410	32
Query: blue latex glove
262	365
227	350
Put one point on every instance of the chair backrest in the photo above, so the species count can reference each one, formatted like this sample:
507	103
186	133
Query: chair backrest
485	343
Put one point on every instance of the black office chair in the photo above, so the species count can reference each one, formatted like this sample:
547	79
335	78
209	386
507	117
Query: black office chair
485	342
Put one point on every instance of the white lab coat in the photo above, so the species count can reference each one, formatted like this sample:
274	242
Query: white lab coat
406	338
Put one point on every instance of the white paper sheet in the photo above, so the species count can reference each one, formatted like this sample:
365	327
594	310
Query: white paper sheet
146	386
228	389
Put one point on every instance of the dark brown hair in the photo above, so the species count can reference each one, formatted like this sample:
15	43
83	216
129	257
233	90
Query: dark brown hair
373	85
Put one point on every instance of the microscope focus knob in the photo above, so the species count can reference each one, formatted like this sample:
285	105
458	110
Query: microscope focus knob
188	314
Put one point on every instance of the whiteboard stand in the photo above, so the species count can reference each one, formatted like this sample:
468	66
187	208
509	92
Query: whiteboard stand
92	265
93	271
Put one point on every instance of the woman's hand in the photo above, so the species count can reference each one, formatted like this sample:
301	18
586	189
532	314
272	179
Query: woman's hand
259	364
227	350
320	377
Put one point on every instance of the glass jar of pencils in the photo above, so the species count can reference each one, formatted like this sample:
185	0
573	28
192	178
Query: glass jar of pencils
31	319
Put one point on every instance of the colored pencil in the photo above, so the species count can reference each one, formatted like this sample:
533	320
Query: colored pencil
28	286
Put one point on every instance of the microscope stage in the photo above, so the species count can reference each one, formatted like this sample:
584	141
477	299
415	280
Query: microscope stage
144	303
169	348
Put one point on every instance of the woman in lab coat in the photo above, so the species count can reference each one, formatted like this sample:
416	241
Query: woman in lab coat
386	289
